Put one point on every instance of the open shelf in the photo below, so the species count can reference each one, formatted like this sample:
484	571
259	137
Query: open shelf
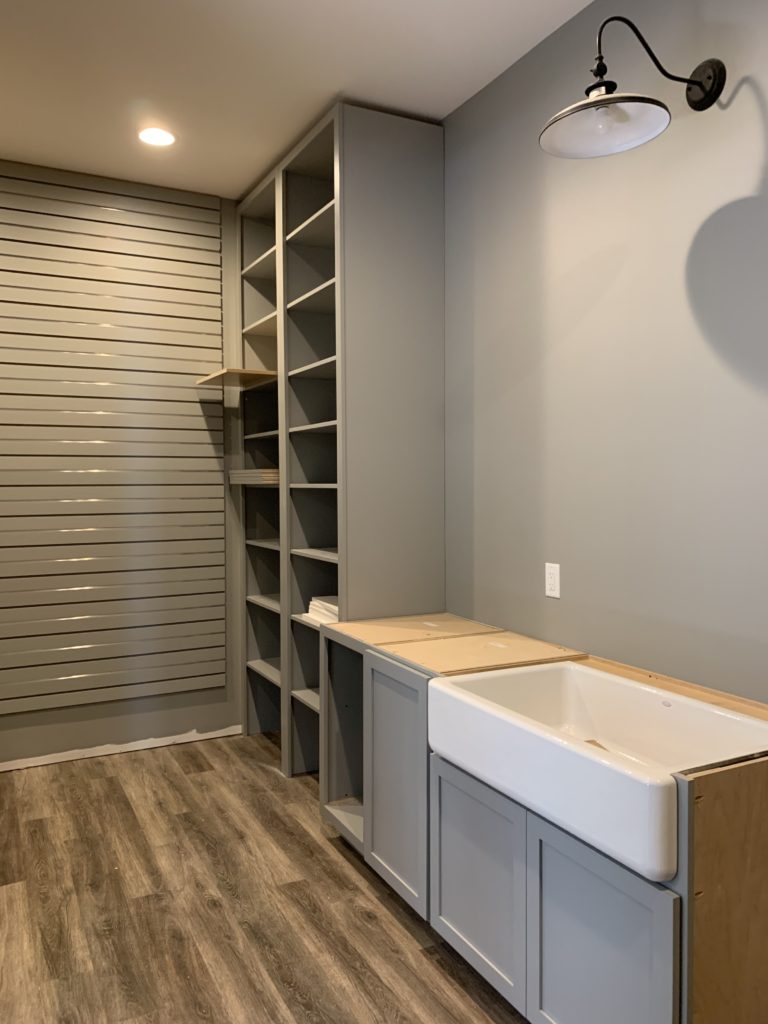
269	601
347	815
321	299
267	668
321	369
261	435
318	554
309	696
304	620
315	487
263	268
318	229
238	377
326	427
272	544
310	338
263	327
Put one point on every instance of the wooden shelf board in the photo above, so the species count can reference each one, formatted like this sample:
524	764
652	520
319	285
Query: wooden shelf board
314	487
322	369
317	230
267	668
305	620
270	544
326	427
318	554
237	376
269	601
309	697
347	815
319	300
263	268
262	435
264	327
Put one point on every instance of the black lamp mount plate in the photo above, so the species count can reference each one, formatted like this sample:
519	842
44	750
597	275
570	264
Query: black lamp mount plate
711	74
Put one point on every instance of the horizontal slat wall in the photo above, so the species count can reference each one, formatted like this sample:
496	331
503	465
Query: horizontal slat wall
111	479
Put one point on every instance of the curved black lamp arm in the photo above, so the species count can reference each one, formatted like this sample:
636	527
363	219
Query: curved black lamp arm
600	68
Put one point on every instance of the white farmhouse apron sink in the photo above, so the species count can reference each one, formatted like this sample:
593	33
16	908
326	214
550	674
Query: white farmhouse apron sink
593	752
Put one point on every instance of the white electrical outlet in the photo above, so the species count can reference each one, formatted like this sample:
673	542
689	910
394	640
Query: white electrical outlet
552	579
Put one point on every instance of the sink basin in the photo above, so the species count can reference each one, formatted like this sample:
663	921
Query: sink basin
590	751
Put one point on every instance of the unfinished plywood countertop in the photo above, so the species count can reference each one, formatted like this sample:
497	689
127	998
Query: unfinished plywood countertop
484	652
411	628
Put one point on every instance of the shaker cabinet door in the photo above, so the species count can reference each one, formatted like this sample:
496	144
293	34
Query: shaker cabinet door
478	877
603	943
396	767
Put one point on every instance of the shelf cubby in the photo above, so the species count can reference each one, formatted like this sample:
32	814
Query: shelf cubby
305	734
260	411
262	571
319	229
263	268
311	578
345	741
309	184
305	658
262	639
263	703
262	516
311	401
313	457
320	299
266	668
257	226
309	268
314	519
310	338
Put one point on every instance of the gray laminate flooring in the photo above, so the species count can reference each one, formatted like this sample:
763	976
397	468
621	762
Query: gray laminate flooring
195	883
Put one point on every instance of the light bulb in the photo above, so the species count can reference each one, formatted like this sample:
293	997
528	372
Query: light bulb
605	121
157	137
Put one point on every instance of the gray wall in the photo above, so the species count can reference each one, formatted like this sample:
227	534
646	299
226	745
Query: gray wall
607	356
111	486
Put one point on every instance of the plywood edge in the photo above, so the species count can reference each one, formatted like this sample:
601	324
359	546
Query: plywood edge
741	705
729	893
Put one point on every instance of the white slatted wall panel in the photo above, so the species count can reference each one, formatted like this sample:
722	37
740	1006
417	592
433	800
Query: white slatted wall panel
111	484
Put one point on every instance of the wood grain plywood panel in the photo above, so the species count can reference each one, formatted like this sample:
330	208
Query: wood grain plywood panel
501	649
410	628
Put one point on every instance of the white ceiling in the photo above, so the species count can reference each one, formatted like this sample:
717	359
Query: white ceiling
237	81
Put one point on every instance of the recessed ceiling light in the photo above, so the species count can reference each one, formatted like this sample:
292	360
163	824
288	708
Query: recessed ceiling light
157	137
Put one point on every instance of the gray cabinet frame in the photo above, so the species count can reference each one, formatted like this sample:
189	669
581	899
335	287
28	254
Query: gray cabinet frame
396	777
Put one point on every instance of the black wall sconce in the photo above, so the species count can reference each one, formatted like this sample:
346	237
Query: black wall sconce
609	122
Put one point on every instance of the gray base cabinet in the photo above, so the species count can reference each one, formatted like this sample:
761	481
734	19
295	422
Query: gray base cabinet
478	885
396	776
567	935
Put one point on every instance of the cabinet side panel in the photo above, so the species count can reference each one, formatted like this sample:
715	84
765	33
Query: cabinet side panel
392	353
730	905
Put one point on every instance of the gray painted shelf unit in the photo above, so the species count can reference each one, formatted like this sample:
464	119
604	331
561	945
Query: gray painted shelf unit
339	285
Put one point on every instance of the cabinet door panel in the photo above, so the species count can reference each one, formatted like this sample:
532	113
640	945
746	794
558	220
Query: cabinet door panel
478	878
396	776
602	942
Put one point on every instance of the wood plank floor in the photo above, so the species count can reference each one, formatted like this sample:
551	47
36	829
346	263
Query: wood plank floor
195	883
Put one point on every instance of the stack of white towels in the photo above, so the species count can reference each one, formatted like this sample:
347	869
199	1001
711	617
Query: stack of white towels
324	610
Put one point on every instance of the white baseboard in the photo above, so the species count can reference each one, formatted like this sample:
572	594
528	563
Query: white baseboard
119	748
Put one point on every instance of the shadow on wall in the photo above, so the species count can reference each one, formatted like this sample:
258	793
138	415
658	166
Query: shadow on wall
726	270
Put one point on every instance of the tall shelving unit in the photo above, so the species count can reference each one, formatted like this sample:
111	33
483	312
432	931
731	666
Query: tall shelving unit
338	247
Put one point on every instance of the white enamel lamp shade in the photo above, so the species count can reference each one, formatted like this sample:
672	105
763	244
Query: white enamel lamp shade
604	124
